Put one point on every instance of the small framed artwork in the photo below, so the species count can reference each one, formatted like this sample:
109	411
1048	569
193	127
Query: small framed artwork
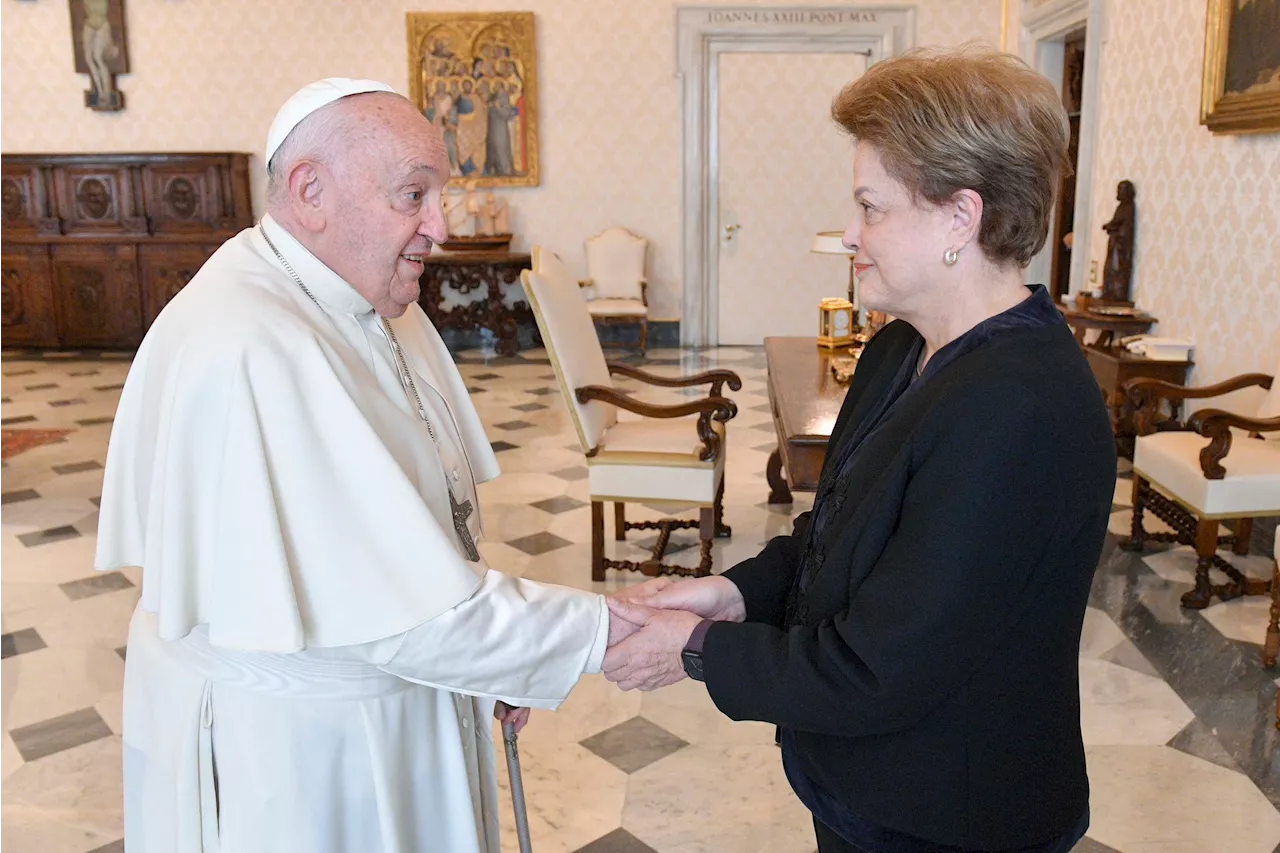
475	76
1240	92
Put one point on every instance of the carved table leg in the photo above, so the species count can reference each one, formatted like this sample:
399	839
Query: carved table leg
779	492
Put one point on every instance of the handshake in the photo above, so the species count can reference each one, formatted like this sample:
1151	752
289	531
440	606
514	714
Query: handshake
650	624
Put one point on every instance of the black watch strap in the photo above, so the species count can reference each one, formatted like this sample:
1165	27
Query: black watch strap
692	654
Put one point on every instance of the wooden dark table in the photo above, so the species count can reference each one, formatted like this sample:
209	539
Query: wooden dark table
1110	327
492	272
805	400
1112	368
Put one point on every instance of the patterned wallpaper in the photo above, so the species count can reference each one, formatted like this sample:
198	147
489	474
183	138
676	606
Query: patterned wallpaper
1208	241
210	74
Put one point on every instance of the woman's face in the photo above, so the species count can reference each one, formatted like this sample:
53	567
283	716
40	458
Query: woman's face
899	243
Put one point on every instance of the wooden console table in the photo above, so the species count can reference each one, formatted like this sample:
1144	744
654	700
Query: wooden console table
466	272
1112	368
805	400
1108	326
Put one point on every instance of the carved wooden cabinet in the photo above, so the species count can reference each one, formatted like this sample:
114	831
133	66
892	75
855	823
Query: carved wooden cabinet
95	245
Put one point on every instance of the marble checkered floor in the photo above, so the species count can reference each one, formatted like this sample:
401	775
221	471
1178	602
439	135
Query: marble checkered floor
1176	706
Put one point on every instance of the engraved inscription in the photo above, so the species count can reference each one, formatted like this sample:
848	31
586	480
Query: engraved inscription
94	198
11	308
12	201
790	16
182	197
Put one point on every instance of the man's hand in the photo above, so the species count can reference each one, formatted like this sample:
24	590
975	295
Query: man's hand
712	597
619	627
504	713
650	658
641	591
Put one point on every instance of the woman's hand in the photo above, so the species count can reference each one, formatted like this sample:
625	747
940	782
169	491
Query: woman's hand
713	597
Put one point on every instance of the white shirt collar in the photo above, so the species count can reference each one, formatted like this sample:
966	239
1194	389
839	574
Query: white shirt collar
326	286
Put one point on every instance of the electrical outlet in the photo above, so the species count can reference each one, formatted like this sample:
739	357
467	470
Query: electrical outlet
1093	272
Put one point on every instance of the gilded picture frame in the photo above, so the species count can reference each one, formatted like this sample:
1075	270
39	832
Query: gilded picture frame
475	76
1240	92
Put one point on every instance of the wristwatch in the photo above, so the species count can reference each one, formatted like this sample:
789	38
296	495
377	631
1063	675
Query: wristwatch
692	654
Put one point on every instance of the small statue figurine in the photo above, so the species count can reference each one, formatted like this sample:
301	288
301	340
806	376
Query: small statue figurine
489	216
502	222
455	211
1117	274
473	207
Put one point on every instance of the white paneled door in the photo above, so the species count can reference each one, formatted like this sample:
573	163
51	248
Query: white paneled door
785	172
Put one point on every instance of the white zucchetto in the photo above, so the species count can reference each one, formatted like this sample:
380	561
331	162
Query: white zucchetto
310	98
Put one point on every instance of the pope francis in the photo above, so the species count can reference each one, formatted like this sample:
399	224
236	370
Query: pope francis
319	644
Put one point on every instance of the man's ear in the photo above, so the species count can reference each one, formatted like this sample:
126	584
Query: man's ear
306	195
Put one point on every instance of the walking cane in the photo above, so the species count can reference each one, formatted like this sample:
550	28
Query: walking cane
517	782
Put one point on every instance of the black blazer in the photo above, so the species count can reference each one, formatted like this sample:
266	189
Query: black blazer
932	684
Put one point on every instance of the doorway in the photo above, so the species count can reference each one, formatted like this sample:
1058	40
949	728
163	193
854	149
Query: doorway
1062	237
785	173
857	36
1060	39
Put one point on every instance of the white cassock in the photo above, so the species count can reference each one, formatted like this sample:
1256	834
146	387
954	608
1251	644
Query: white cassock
313	664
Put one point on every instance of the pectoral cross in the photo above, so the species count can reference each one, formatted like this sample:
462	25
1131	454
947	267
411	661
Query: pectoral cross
461	512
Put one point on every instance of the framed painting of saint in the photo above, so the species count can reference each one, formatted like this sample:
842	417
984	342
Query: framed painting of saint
475	76
1240	92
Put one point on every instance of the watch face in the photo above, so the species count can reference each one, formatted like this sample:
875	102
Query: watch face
692	665
842	322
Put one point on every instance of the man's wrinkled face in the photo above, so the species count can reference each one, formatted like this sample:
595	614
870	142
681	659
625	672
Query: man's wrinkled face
386	211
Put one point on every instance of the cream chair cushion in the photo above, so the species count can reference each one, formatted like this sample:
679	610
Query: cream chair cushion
657	460
570	338
615	264
1171	461
617	308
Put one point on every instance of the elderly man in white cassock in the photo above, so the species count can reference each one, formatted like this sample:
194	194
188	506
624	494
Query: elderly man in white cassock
319	646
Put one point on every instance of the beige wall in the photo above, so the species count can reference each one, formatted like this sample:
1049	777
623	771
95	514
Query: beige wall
210	74
1208	241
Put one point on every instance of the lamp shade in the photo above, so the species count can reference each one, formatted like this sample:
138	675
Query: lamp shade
829	243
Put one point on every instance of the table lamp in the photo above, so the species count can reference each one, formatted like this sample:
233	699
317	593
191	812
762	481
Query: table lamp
832	243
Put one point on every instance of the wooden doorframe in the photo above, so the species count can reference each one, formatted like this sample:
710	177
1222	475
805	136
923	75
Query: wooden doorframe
1044	29
702	34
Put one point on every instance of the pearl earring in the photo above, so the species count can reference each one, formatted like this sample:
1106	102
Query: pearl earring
950	256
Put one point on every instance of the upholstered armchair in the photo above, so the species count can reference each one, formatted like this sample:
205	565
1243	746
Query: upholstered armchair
616	289
1222	465
661	454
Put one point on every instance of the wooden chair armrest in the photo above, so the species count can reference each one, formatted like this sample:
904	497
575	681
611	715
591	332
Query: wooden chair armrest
1146	395
1215	425
717	378
706	408
1170	391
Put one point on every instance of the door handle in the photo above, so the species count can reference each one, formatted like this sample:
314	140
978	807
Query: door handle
728	231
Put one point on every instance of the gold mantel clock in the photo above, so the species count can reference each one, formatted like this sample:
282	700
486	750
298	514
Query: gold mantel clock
835	323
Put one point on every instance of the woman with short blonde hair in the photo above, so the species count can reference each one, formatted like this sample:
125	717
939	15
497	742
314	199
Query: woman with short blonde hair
915	638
